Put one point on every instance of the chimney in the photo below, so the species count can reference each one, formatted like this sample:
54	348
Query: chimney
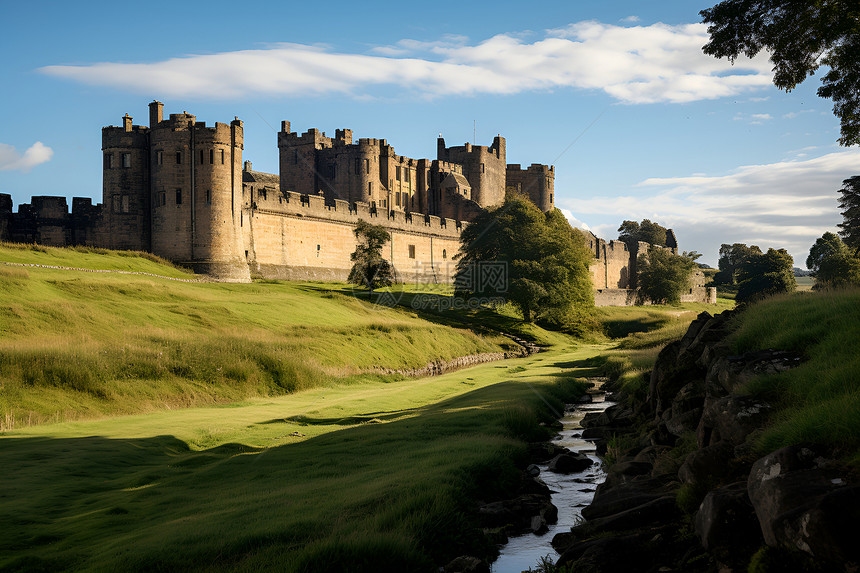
248	166
126	122
156	113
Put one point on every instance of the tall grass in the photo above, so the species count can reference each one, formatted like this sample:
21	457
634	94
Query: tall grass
818	401
76	345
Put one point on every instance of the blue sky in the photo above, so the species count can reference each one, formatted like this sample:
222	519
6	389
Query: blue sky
618	96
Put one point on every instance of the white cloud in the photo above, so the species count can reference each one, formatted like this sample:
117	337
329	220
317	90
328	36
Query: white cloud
11	160
639	64
630	19
787	204
574	222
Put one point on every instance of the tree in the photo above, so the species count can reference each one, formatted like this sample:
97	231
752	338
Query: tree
632	232
663	275
730	261
800	36
369	268
765	274
850	203
534	260
832	264
825	246
838	270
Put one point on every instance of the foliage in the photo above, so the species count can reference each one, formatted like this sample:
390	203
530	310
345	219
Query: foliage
731	259
850	203
369	268
839	270
799	37
663	275
825	246
646	232
765	274
535	260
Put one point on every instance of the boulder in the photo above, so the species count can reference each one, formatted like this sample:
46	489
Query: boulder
610	499
657	510
731	419
570	463
726	522
467	564
614	553
540	452
800	505
707	465
517	513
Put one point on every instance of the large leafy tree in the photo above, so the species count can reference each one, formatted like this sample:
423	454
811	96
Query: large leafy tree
765	274
849	202
369	268
825	246
663	275
647	231
534	260
832	263
730	261
800	36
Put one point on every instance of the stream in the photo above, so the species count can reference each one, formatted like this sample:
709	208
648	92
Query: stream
570	493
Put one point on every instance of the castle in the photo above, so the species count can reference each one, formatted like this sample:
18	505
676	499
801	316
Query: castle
180	189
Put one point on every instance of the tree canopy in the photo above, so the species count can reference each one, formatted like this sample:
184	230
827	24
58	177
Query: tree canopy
663	275
800	36
646	231
765	274
369	268
849	202
825	246
730	261
832	264
534	260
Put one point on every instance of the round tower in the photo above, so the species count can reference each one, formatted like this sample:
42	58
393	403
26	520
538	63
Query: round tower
196	189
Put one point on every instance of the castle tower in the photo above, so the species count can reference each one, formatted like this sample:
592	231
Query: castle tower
537	183
484	167
125	186
297	156
196	181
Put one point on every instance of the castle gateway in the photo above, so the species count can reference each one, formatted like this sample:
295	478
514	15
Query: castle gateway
180	189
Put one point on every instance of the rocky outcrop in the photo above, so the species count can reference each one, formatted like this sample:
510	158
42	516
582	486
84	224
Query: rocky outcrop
793	499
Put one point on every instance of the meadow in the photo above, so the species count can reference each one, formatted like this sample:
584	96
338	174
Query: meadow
152	424
76	345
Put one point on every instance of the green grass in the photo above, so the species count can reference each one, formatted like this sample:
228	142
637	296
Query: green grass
90	258
369	477
819	401
78	344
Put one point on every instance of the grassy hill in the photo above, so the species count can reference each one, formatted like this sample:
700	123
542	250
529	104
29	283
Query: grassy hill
82	344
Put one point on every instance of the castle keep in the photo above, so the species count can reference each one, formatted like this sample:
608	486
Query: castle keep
180	189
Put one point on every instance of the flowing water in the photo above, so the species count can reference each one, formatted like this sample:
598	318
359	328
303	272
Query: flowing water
570	493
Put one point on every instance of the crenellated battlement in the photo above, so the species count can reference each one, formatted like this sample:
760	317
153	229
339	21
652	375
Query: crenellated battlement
292	204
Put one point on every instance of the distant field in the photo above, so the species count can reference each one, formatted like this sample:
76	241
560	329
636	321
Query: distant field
804	283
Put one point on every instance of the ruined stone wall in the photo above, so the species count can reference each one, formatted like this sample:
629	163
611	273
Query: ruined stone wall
611	269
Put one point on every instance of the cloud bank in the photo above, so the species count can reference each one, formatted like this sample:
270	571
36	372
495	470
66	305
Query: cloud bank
11	160
634	65
787	204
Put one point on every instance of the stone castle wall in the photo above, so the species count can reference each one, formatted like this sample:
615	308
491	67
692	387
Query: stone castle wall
179	189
